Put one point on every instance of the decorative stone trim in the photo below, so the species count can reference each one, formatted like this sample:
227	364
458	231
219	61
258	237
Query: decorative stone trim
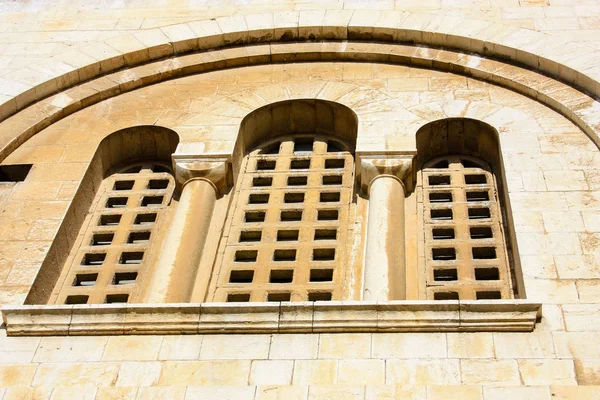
216	169
371	165
302	317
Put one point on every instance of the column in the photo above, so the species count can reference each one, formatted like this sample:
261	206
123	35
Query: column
201	181
381	176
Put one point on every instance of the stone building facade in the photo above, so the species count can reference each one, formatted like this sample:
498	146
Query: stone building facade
369	199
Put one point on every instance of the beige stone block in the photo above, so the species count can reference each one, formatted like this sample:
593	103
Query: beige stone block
588	372
16	375
138	374
116	393
585	266
591	220
220	392
517	393
528	221
546	372
314	372
345	345
422	372
552	291
539	266
563	221
24	393
393	392
281	392
17	350
223	347
574	392
271	372
184	347
205	373
70	349
582	317
132	348
294	346
524	345
454	392
71	374
565	180
161	393
75	392
549	243
489	372
543	201
408	84
337	392
588	290
583	201
470	345
409	345
579	345
366	372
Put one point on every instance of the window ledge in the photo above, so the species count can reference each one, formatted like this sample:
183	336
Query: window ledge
305	317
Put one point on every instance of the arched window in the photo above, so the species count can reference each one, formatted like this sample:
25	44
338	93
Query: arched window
287	228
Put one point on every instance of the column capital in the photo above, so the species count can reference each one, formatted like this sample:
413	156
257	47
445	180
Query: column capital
214	168
370	165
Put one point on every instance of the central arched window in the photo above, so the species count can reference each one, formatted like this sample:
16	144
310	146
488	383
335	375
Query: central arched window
286	233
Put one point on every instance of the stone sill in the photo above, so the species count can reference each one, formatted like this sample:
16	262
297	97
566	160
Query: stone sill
302	317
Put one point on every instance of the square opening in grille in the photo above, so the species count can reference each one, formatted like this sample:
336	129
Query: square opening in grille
116	202
279	296
297	181
262	181
77	299
93	259
123	185
102	239
291	215
303	145
481	232
241	276
238	297
440	197
145	219
321	275
445	296
254	216
300	164
479	213
327	215
85	280
138	237
441	214
116	298
246	255
329	197
319	296
109	220
489	295
476	179
265	165
443	254
152	201
335	163
293	198
281	276
439	180
323	254
442	234
445	275
287	235
325	234
478	196
158	184
284	255
484	253
258	198
124	278
250	236
131	257
332	179
487	274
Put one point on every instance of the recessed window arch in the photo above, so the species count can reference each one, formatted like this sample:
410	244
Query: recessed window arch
468	250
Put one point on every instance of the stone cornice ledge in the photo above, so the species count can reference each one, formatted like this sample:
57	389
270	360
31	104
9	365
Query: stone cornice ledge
305	317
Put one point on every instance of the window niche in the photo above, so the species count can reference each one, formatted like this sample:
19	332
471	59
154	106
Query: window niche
114	218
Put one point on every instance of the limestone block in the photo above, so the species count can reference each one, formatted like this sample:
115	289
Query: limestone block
393	392
74	392
231	347
314	372
547	372
175	318
345	345
329	317
205	373
409	345
17	350
55	322
549	243
295	392
423	372
470	345
524	345
587	290
540	266
294	346
220	392
489	372
588	372
132	348
161	392
138	374
234	28
360	371
285	25
271	372
70	349
310	24
579	345
99	318
156	41
574	392
182	37
565	180
457	392
116	393
517	393
71	374
582	317
218	316
180	347
16	375
585	266
337	392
